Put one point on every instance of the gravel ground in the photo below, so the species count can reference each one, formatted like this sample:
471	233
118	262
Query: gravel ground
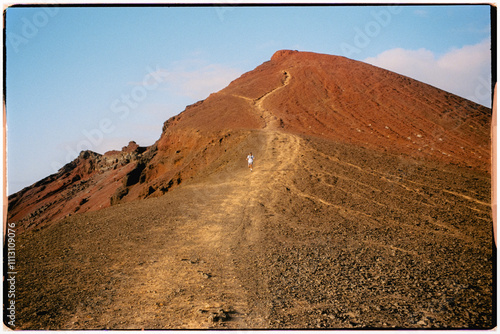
320	235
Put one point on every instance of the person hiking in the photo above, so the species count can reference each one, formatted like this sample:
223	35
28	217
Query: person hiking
250	161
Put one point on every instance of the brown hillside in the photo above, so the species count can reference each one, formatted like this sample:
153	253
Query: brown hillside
298	92
350	101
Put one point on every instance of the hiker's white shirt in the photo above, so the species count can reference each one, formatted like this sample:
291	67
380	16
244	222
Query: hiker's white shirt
250	159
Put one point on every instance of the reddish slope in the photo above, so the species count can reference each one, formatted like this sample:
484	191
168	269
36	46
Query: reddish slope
85	184
313	94
349	101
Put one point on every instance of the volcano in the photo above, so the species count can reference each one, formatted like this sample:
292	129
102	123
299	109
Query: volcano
368	207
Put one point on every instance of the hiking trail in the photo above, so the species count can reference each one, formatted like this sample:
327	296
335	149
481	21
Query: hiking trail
211	285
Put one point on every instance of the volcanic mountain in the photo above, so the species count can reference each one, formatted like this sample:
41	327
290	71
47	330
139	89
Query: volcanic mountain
369	207
298	92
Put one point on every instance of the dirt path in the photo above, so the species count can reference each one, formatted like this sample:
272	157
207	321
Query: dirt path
219	244
223	242
271	122
231	235
211	258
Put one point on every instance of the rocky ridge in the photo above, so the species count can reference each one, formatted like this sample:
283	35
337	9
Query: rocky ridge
74	186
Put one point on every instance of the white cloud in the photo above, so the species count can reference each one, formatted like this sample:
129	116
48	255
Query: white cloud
465	72
196	79
200	83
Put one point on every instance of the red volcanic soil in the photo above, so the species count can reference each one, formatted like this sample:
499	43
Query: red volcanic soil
350	101
306	93
85	184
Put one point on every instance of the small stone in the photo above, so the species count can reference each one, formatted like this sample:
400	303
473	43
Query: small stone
221	315
205	275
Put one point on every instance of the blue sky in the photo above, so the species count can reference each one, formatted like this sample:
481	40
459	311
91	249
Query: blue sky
97	77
